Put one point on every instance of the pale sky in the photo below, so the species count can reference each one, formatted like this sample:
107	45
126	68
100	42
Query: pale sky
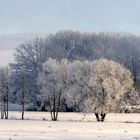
50	16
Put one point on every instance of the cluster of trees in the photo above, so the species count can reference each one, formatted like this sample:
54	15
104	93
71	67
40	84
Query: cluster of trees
92	86
74	78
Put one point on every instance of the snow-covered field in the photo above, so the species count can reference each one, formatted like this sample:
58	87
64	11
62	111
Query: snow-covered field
70	126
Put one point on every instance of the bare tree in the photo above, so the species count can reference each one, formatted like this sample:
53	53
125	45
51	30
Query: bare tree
4	91
53	80
21	83
30	56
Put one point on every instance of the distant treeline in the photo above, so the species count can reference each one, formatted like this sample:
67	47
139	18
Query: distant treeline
120	47
30	56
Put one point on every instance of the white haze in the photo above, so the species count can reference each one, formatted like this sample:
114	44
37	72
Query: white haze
6	56
8	43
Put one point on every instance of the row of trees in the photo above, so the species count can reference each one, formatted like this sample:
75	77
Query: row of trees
75	52
90	86
119	47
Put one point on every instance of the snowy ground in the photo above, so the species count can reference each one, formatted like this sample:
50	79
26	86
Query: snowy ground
71	126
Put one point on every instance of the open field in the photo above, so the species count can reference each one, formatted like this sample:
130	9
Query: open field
71	126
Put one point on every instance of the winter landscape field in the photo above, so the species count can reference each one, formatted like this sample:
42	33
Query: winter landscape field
70	70
70	126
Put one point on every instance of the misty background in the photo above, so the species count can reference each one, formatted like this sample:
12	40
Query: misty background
24	20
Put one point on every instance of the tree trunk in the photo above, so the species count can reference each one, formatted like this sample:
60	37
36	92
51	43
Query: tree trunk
54	115
97	117
7	101
54	112
23	102
2	114
22	111
100	117
4	109
103	116
54	108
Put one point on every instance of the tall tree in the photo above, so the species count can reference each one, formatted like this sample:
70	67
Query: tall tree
53	80
4	91
30	56
110	81
98	86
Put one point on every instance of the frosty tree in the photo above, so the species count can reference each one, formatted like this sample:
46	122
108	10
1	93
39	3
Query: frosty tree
97	86
29	56
53	80
78	84
109	81
21	85
4	91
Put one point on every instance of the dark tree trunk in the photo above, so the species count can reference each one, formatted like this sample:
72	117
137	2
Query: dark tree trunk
23	99
103	116
23	108
4	109
97	117
7	101
55	108
100	117
54	116
2	114
134	69
54	112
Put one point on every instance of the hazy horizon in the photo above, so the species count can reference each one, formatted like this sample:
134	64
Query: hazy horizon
51	16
